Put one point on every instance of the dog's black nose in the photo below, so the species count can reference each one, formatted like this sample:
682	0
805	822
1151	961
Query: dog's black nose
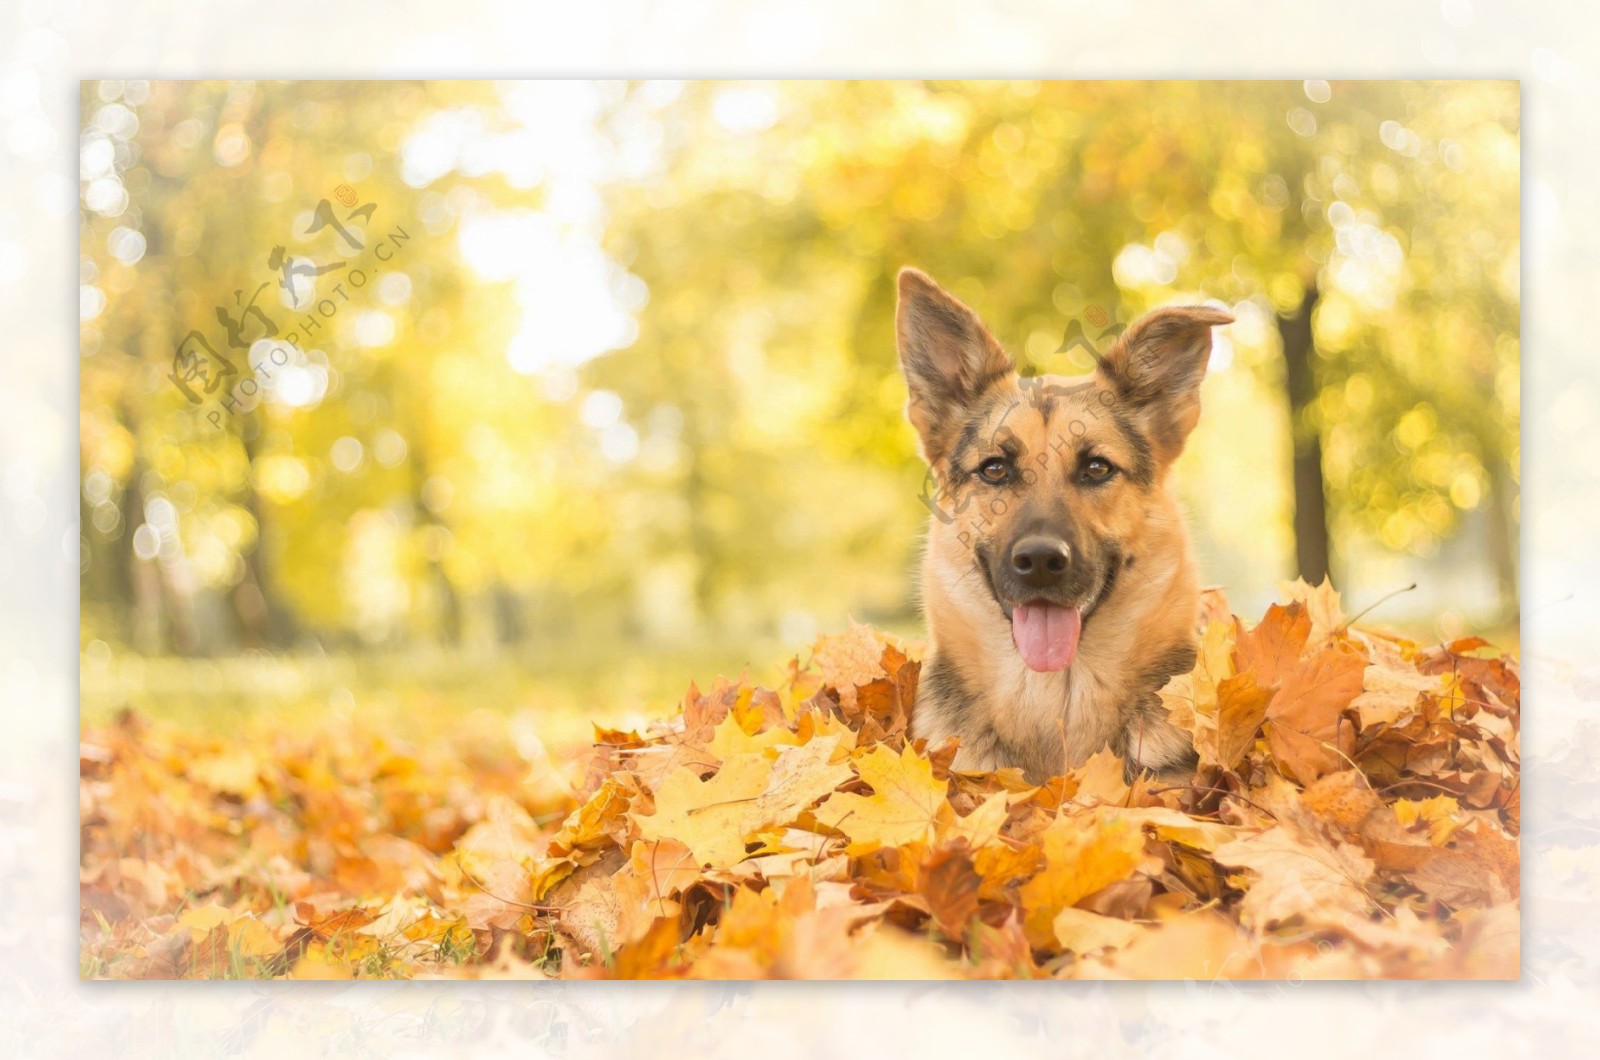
1040	561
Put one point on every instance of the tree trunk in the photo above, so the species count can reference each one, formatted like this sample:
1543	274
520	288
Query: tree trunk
702	539
1503	533
1310	502
263	620
147	617
446	600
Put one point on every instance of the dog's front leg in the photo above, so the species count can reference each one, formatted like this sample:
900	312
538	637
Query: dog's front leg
977	754
1150	743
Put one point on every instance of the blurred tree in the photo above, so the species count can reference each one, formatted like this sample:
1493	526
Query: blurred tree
1038	202
453	456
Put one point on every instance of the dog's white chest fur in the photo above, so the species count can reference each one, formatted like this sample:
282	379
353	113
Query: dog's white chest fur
1064	708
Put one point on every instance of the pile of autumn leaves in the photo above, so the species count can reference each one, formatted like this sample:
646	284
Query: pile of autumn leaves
1354	816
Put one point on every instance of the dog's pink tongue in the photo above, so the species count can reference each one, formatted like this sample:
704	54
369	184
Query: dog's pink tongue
1046	636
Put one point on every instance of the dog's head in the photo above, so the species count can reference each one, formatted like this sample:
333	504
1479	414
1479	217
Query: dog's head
1044	486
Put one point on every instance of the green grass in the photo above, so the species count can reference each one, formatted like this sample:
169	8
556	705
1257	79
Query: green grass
565	690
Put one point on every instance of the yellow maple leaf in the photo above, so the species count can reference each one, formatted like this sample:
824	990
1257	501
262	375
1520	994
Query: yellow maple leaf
1181	828
812	724
497	844
708	816
1191	699
849	659
750	799
885	952
1241	707
667	867
1083	932
592	913
753	929
319	963
200	919
589	826
1305	727
1442	814
249	937
1214	661
741	733
982	826
1390	690
545	874
998	864
1273	646
800	776
1299	874
236	772
1082	854
438	931
1321	604
906	805
1102	778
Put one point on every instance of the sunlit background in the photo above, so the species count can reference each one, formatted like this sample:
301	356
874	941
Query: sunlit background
598	392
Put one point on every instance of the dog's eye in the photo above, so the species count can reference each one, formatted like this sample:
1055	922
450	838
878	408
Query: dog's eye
994	469
1097	470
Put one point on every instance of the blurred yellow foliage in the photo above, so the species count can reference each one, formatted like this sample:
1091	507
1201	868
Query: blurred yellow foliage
551	363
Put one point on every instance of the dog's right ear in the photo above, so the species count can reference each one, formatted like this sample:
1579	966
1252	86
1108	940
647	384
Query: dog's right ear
948	357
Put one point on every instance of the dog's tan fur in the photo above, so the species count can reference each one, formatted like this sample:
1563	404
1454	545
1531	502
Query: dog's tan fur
1134	579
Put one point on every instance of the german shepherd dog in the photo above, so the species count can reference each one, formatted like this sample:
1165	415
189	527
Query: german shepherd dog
1058	583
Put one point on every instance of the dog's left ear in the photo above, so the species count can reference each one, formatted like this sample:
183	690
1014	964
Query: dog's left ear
1156	368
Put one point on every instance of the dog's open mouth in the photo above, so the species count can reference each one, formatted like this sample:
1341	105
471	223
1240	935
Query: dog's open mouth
1046	635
